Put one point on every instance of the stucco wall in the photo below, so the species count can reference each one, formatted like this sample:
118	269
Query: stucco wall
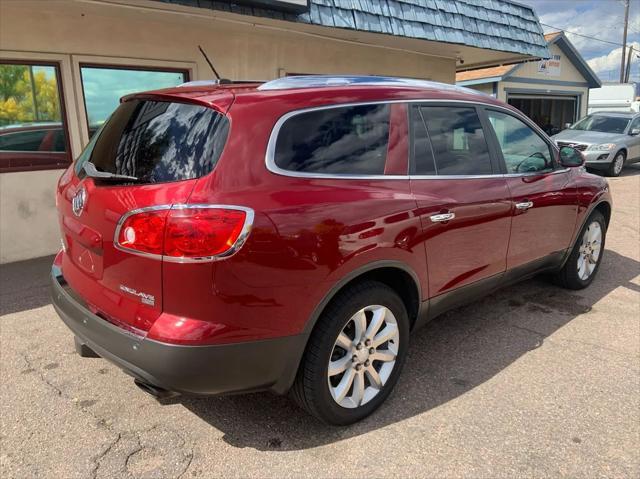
486	88
568	72
28	226
87	32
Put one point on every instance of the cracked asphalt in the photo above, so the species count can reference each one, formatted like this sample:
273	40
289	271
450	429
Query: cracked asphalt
531	381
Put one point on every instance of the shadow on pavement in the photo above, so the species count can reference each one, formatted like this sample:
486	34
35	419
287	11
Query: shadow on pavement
24	285
450	356
629	170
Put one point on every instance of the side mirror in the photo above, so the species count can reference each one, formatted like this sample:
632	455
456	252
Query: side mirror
635	132
567	125
570	157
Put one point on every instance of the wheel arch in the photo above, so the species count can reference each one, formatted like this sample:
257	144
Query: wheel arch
603	205
605	208
395	274
622	149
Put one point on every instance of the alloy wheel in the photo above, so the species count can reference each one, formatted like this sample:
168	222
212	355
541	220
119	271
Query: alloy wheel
618	164
363	356
589	252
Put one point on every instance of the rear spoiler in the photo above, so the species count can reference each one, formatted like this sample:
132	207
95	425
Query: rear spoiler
219	99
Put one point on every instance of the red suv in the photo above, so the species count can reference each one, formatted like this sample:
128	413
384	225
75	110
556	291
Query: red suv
291	235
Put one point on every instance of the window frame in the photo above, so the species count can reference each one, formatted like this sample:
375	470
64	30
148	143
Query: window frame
121	66
40	160
553	149
273	137
496	167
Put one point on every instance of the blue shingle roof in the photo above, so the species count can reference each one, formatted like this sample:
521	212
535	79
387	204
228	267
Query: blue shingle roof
492	24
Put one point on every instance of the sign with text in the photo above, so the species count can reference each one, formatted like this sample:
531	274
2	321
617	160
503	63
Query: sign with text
550	67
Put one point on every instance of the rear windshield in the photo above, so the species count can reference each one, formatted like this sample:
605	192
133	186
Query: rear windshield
350	140
158	141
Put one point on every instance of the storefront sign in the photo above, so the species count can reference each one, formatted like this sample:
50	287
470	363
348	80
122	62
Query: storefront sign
292	6
550	67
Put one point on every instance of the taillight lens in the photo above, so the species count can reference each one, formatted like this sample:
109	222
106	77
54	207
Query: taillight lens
184	232
196	233
143	232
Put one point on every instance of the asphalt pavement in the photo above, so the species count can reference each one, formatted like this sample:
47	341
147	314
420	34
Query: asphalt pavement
533	381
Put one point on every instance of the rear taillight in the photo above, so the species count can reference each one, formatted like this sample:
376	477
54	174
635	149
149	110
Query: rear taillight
185	232
143	232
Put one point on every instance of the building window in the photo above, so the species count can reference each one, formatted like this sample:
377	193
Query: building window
33	130
103	86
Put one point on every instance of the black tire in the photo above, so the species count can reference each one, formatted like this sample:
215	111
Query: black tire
614	169
311	389
568	276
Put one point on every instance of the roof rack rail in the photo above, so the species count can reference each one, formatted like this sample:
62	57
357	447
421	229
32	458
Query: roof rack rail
320	81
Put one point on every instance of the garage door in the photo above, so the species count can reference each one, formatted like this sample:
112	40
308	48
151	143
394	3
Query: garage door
551	113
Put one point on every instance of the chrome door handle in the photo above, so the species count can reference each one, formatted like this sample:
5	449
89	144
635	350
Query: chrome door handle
442	217
525	205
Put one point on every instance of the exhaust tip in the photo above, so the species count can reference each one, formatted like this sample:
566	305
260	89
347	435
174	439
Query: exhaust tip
160	394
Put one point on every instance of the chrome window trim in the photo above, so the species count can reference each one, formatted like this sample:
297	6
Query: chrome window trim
273	137
235	247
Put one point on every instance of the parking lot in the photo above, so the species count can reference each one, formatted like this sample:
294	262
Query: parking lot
532	381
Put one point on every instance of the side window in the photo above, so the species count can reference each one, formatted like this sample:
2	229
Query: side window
350	140
523	149
635	125
457	140
422	162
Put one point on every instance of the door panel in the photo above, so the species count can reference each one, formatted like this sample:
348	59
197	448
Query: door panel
547	225
463	205
472	245
634	141
545	202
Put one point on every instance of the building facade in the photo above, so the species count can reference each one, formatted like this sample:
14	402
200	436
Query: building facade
64	65
552	92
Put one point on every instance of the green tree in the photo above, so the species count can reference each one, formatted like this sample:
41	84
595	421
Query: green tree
28	95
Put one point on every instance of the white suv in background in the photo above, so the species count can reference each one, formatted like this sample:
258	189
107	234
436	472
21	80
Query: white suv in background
608	140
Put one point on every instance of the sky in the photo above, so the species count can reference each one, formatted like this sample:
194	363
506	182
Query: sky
602	19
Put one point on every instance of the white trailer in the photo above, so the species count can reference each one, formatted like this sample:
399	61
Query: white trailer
613	97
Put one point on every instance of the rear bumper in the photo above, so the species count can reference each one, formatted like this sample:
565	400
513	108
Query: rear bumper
194	370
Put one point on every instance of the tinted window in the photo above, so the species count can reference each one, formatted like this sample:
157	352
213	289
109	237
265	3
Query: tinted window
103	87
523	149
346	140
457	139
160	141
422	162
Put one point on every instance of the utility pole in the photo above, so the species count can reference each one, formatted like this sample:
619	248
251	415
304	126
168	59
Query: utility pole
624	39
627	72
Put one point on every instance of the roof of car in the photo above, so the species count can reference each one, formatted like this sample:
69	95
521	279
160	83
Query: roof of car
318	88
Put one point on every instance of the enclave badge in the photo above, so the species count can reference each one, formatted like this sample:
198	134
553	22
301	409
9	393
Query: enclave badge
144	297
78	201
